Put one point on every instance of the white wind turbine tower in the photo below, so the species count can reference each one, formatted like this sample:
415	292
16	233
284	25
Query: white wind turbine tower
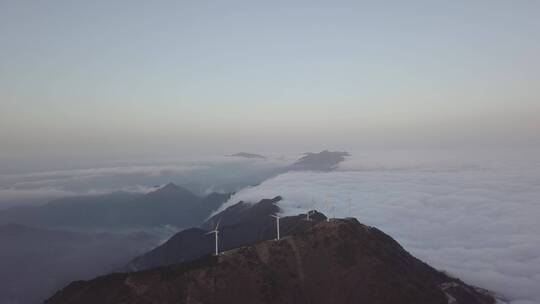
331	209
349	201
327	209
216	233
277	217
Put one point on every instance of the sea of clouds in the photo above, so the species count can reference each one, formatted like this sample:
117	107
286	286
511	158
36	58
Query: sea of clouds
202	175
479	222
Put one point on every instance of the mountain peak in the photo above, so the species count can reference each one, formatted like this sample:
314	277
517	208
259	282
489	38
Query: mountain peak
170	186
171	189
322	161
248	155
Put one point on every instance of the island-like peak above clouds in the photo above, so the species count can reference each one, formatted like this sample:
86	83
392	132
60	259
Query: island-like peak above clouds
322	161
248	155
310	161
171	190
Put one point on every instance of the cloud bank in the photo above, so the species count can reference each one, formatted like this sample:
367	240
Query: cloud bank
200	176
479	223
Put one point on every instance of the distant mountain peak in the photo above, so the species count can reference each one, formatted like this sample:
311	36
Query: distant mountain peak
322	161
248	155
170	186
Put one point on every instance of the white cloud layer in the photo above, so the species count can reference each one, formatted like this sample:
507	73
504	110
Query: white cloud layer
479	223
201	176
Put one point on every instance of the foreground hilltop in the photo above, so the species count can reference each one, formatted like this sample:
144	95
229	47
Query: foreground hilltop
340	261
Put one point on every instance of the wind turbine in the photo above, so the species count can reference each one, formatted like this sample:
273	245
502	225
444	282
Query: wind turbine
216	233
326	205
277	217
331	208
349	205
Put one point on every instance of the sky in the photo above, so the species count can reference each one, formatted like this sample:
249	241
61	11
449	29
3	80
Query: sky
100	94
101	80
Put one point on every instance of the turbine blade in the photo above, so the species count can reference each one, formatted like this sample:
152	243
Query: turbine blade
217	225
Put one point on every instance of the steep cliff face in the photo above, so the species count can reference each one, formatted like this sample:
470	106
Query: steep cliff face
340	261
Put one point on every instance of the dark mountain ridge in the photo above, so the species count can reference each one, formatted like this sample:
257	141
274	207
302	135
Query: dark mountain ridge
339	261
240	224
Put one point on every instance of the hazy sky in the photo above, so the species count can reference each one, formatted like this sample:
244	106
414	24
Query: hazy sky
87	78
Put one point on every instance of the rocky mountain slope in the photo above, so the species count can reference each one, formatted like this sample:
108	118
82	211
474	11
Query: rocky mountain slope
340	261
